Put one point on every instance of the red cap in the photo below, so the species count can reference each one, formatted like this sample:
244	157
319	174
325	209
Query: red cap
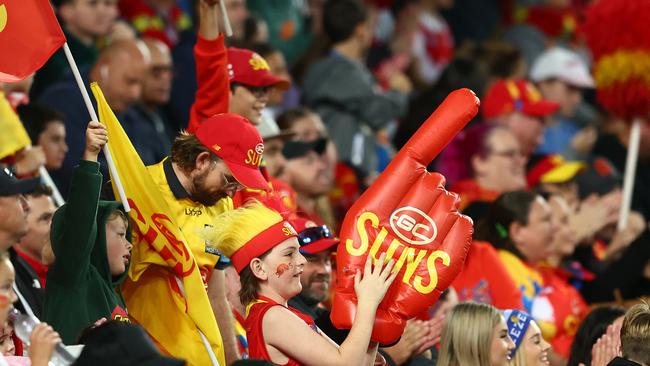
313	239
507	96
236	141
248	68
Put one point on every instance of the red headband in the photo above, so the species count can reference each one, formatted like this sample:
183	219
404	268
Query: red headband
262	243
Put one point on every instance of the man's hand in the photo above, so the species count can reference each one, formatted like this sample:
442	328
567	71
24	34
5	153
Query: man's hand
29	160
96	138
407	214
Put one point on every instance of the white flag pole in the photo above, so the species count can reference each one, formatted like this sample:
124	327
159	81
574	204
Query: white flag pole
58	199
93	116
226	21
630	173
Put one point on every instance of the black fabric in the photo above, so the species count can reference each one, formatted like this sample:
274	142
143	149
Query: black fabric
28	285
120	344
610	147
174	184
10	186
618	361
625	274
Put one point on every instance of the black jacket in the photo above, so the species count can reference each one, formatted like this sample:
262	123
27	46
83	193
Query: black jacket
28	285
618	361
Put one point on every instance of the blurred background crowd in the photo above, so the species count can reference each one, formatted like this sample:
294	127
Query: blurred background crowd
539	170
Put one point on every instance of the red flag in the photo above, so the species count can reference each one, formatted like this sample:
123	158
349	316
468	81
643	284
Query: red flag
29	35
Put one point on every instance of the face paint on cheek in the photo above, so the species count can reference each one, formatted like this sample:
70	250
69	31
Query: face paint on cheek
281	268
5	302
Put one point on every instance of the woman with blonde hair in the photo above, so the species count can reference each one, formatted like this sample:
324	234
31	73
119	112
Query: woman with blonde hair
475	334
530	347
263	247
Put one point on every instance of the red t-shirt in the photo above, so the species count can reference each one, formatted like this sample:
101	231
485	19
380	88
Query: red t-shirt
485	279
254	331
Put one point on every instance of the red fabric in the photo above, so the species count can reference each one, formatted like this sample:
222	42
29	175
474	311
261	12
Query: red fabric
262	243
485	279
554	22
569	309
281	198
469	191
37	266
255	333
213	93
346	190
149	23
29	35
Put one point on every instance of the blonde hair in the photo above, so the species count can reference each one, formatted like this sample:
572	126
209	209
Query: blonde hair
635	333
519	359
233	229
467	335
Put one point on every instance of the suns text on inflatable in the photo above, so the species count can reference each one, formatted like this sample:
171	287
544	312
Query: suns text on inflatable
403	221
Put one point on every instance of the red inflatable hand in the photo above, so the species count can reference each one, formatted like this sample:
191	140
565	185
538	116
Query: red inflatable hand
408	214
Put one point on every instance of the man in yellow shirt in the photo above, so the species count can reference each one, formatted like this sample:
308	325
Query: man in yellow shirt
197	181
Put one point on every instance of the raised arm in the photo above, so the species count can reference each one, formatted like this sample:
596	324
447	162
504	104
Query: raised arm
310	348
74	234
213	93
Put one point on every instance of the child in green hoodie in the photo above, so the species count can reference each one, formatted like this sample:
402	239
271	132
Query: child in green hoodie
90	240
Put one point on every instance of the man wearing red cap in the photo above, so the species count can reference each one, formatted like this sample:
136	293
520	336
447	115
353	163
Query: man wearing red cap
234	80
197	181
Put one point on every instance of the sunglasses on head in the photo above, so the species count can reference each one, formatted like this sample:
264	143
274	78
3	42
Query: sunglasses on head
313	234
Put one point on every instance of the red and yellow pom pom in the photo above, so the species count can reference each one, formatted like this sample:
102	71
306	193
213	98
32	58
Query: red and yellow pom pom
617	35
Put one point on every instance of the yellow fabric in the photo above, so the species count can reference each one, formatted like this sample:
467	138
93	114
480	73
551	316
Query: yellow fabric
529	281
160	256
193	218
621	66
564	172
13	136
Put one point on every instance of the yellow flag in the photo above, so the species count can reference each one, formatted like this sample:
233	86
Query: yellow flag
13	136
164	291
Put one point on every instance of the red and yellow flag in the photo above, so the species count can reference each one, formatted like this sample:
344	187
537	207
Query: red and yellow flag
13	136
29	35
164	291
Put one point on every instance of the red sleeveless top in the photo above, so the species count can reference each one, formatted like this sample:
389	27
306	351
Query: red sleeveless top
254	332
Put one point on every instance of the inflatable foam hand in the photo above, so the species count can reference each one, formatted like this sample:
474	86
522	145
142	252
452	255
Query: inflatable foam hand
408	214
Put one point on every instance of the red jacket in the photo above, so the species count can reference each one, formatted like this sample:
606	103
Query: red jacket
213	93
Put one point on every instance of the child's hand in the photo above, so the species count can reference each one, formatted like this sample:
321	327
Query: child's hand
96	138
41	344
375	282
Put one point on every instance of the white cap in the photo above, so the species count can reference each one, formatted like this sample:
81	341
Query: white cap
269	129
563	64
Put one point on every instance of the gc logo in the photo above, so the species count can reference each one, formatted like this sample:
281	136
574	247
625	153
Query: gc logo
413	226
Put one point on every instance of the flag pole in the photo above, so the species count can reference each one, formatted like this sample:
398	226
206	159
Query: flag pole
58	199
93	116
226	22
630	173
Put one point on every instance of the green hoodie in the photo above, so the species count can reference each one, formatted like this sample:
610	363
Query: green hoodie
80	288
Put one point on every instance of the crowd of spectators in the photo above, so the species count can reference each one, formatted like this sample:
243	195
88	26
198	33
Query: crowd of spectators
334	88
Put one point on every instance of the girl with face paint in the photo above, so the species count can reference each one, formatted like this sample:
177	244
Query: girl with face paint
263	247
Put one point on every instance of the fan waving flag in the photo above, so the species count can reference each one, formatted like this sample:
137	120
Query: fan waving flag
164	291
29	35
